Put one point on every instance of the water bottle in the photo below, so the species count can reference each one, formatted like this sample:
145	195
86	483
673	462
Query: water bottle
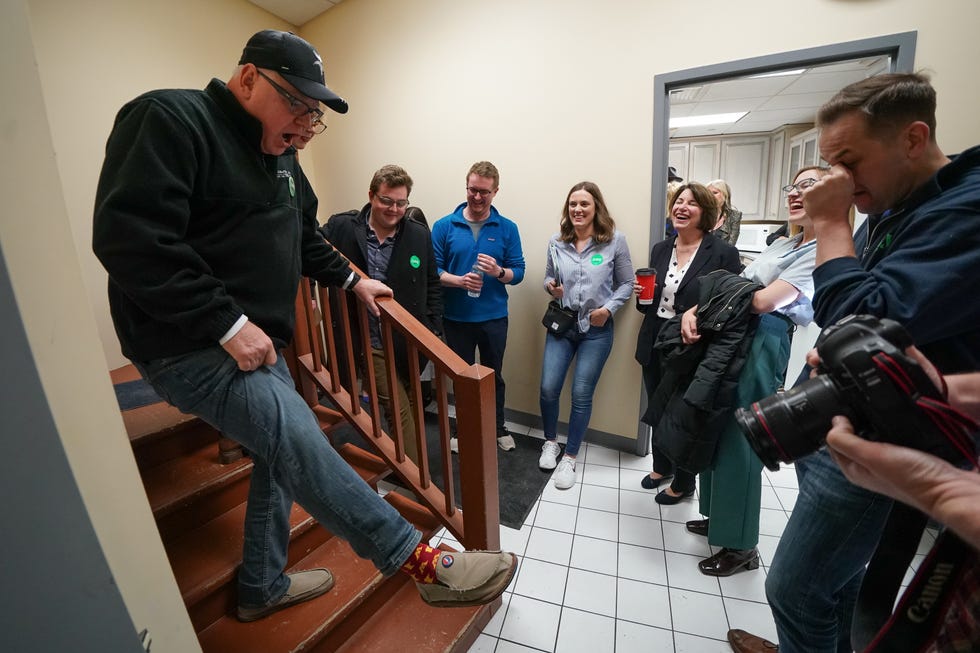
475	270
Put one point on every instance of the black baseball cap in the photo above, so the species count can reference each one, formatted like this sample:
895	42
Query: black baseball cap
296	60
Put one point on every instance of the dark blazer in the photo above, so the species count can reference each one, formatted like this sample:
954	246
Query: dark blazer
411	275
714	254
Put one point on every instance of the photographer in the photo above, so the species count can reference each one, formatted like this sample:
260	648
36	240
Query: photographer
934	487
914	261
945	493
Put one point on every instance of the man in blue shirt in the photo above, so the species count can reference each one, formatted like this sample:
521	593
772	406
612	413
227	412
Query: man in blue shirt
478	253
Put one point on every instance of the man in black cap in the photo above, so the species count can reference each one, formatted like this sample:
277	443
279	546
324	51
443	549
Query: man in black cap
205	222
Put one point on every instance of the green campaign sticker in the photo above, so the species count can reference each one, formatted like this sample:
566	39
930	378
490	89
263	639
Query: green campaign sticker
292	187
415	262
597	259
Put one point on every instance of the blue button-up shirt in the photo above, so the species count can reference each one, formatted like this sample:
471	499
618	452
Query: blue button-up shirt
600	276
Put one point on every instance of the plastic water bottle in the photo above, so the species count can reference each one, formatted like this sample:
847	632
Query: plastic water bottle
475	270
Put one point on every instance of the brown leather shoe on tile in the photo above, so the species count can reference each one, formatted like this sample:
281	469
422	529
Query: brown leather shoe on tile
743	642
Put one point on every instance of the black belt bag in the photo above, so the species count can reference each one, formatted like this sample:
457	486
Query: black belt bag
558	319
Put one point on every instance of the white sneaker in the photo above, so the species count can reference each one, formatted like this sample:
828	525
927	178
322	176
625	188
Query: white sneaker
564	476
454	445
549	455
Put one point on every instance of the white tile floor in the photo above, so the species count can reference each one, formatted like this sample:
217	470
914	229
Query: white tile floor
604	568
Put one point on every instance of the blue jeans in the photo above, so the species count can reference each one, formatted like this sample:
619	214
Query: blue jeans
592	349
490	338
819	564
292	461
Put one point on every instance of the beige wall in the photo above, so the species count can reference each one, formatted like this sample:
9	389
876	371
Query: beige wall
93	57
556	91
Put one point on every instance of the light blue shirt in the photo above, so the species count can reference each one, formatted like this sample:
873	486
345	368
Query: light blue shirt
794	265
600	276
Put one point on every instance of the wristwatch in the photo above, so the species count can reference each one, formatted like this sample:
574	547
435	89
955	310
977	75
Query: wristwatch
502	273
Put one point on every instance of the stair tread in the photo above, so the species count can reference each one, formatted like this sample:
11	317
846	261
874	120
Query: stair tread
155	421
177	482
301	625
410	624
151	421
208	556
185	483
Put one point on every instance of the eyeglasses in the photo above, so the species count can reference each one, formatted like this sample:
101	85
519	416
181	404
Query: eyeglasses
296	106
482	192
799	186
387	202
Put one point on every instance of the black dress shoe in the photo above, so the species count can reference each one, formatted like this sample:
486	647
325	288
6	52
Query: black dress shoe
698	527
649	483
665	499
729	561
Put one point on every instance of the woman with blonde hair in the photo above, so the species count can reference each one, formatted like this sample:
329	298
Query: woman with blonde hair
729	218
731	490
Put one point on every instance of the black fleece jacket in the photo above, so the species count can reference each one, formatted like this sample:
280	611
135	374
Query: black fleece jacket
197	226
411	274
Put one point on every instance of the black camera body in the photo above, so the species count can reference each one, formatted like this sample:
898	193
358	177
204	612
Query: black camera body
864	374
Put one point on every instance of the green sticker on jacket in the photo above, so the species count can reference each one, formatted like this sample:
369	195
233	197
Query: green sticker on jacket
415	262
597	259
292	187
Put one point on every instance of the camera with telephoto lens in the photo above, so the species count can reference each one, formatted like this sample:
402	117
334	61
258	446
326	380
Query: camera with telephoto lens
863	374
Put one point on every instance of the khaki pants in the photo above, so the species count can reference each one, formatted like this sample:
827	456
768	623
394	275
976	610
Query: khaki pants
406	403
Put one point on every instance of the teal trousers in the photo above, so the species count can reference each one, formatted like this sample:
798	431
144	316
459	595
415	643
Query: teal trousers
731	491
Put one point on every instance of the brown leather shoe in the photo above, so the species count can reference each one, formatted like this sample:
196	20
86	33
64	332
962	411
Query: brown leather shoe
729	561
743	642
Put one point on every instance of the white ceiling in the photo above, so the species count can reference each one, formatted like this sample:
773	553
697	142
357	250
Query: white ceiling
296	12
771	102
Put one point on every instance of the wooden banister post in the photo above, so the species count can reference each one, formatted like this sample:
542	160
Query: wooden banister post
476	429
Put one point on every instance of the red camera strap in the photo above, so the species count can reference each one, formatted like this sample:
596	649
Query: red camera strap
921	611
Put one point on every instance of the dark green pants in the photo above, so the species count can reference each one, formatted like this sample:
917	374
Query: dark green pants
731	492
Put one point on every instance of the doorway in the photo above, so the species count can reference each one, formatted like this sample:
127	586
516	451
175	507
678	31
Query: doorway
898	48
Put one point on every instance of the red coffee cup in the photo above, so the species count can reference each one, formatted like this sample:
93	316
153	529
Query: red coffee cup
646	277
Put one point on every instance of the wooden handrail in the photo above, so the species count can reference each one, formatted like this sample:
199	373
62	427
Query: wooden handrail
315	362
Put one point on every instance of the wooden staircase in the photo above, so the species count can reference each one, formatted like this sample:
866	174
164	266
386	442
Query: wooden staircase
199	506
